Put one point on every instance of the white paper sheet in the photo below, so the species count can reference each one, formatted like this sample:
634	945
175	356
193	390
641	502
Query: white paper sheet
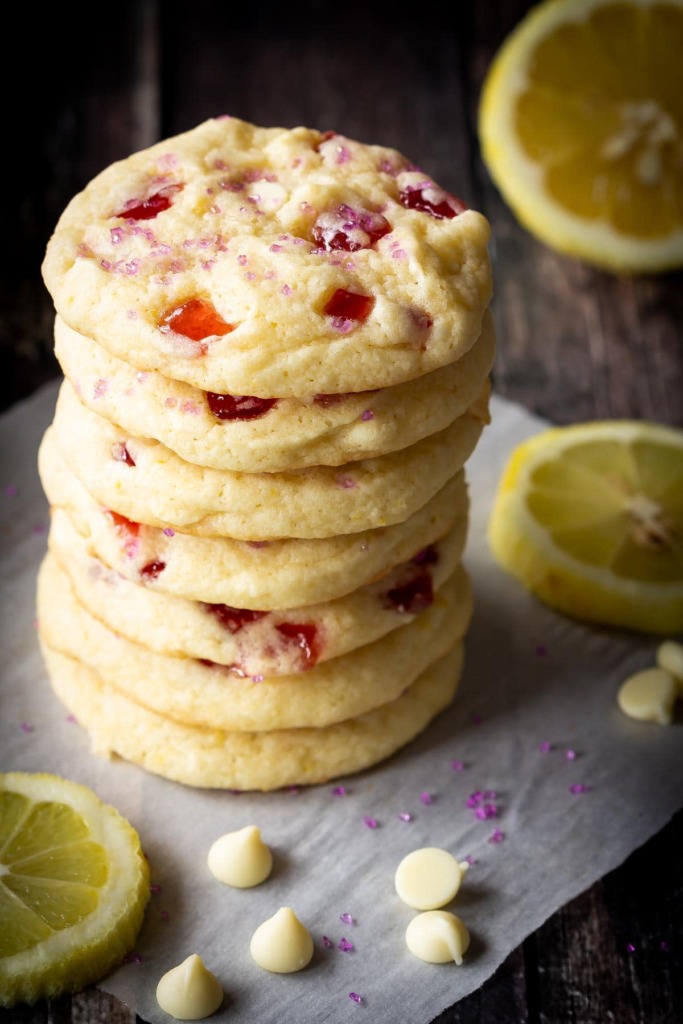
531	678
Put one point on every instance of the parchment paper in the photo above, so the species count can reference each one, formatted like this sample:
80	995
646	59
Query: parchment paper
532	680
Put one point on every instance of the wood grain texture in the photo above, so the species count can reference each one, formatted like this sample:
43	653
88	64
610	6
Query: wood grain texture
573	343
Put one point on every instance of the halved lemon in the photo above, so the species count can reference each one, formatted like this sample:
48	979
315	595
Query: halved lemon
74	884
590	519
581	128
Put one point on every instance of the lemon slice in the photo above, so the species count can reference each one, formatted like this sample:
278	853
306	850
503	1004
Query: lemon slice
74	884
590	519
581	128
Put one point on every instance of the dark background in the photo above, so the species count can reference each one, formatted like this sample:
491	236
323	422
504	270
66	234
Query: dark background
83	87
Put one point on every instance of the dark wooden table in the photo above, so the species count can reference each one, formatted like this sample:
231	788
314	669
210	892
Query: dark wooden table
574	344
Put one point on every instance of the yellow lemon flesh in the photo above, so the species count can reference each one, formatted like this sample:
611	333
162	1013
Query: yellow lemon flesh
590	519
74	884
581	128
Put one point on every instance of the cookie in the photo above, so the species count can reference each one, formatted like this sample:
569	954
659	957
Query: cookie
208	695
271	262
146	482
218	759
261	642
252	436
220	570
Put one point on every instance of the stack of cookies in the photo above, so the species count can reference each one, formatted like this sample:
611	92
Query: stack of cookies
276	346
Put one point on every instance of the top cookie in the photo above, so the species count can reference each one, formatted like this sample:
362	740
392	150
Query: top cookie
271	262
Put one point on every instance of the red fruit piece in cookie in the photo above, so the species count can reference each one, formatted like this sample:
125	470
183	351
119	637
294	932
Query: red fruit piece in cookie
238	407
195	319
413	595
234	619
148	209
305	636
348	229
345	306
123	525
430	198
152	569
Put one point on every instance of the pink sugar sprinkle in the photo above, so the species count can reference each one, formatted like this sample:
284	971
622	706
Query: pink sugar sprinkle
346	918
105	264
545	747
215	209
341	324
250	276
474	799
286	290
188	406
39	528
257	678
457	766
470	859
131	314
579	787
496	836
339	791
368	414
630	947
345	945
258	543
571	755
404	816
168	532
25	727
100	388
116	235
486	811
208	264
72	719
398	254
426	798
355	997
242	260
11	491
327	942
346	482
277	248
132	958
343	154
370	822
170	402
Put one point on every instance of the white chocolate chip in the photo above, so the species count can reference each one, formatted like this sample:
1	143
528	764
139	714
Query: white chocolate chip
428	878
438	937
241	858
670	658
189	991
282	944
649	695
